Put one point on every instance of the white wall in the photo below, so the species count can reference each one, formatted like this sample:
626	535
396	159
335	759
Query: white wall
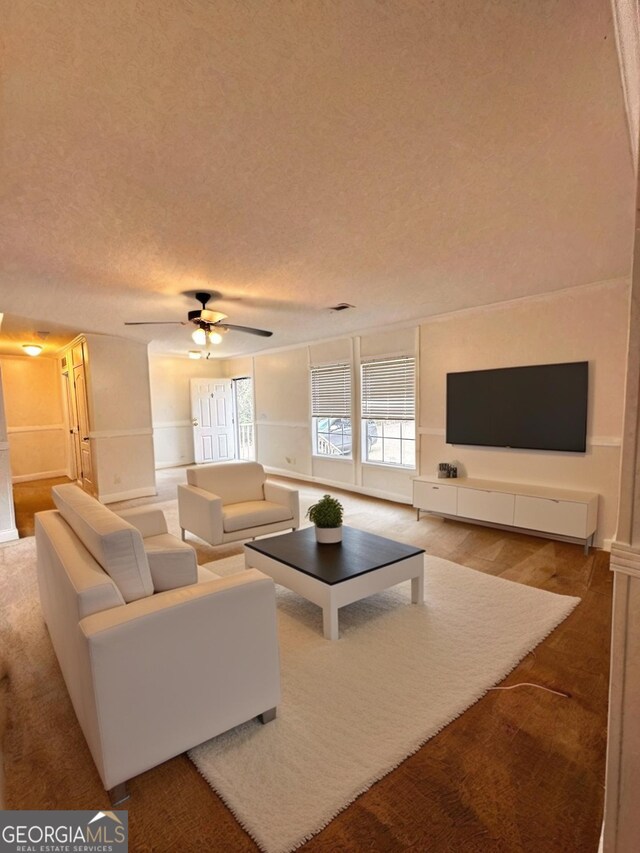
283	436
120	415
35	420
581	324
170	380
236	368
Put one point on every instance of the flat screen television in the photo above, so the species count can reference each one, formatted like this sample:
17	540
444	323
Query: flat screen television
541	407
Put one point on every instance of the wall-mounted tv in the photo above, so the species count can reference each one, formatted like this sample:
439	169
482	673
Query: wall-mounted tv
541	407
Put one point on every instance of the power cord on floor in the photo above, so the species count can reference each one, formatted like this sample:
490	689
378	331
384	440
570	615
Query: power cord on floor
529	684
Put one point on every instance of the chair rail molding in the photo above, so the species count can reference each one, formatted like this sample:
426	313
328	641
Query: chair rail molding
120	433
35	428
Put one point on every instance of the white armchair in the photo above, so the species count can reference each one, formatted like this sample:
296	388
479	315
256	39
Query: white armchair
229	501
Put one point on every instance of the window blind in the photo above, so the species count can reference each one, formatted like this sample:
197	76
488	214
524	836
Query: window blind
389	389
331	391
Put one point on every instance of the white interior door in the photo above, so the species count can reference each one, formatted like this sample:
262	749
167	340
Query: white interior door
73	468
212	418
85	475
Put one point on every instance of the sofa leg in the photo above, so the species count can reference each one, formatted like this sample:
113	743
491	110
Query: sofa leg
183	534
267	716
119	794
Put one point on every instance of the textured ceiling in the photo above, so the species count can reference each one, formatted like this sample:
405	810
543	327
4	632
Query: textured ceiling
16	331
408	157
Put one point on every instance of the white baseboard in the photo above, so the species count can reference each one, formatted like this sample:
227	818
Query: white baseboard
144	492
606	544
347	487
9	535
39	475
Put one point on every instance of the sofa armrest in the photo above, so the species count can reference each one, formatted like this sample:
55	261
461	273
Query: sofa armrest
177	668
150	521
280	494
200	512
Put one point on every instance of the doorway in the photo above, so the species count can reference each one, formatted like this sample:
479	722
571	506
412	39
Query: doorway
212	418
245	419
222	416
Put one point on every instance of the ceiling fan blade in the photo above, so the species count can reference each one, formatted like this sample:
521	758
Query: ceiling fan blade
157	323
261	332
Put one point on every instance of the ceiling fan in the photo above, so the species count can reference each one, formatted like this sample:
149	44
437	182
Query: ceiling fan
208	323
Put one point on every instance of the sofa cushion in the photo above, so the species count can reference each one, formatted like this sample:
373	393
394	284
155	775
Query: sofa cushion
114	543
248	514
231	481
172	563
60	553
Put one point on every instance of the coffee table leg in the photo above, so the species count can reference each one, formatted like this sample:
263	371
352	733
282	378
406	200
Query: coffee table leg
330	622
417	589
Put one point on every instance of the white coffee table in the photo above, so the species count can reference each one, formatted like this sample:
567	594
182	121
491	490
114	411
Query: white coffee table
337	574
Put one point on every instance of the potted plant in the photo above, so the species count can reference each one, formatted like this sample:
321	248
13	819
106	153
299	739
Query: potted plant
326	514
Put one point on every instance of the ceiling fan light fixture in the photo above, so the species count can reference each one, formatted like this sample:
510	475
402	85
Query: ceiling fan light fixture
215	337
199	336
32	349
195	353
209	316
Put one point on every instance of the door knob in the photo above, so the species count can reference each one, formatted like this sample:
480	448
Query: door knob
194	421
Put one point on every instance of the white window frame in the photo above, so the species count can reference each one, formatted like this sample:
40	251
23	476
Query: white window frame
331	390
380	404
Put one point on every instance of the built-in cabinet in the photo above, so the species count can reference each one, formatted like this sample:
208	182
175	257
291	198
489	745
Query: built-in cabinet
557	513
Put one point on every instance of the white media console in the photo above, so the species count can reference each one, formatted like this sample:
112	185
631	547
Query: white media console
546	511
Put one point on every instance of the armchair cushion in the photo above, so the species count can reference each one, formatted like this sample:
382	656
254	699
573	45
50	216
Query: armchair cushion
248	514
114	543
233	482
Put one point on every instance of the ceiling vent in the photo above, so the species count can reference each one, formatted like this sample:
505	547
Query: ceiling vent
341	306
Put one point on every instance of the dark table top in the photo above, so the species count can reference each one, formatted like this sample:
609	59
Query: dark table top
358	553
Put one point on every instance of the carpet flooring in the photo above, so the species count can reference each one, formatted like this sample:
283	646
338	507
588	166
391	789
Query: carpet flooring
353	709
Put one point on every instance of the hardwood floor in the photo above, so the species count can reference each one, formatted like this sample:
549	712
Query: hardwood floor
31	497
522	770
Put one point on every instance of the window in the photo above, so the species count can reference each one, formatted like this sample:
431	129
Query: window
331	410
388	411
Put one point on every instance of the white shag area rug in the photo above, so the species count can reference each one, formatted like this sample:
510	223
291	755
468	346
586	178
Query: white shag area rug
353	709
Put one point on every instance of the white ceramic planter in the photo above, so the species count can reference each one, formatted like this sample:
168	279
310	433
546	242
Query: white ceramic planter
326	535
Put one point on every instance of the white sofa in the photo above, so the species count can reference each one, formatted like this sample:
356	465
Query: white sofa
230	501
150	673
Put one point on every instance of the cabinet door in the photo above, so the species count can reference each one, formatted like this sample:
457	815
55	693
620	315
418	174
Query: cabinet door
77	355
552	516
86	461
433	497
482	505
